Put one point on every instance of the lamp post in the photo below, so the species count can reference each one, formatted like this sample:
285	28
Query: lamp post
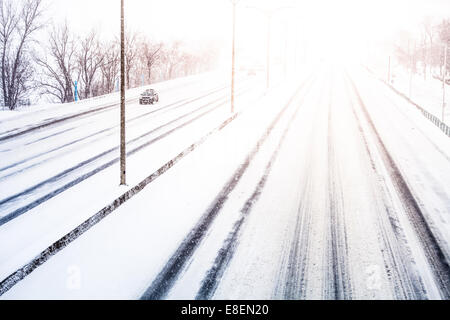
413	65
233	55
285	51
389	71
123	180
443	81
443	74
269	21
269	13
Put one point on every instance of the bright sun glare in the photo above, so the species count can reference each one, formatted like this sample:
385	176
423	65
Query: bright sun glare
341	29
337	30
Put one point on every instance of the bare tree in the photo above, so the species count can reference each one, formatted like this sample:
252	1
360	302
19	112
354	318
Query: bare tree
131	53
442	32
110	66
190	63
58	64
424	54
8	23
149	55
89	59
17	25
195	62
429	35
171	58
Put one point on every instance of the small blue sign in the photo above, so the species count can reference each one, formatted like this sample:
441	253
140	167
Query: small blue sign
76	91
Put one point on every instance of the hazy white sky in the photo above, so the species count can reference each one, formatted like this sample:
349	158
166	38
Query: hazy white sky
322	22
199	18
193	19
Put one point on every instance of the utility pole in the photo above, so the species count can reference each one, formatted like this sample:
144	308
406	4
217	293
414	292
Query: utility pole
285	51
123	180
233	56
269	18
269	13
389	71
413	61
296	55
443	81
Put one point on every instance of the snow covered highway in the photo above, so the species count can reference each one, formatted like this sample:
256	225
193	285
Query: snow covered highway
327	186
93	135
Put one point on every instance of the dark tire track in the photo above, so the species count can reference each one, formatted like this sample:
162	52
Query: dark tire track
406	283
430	244
292	284
169	274
340	286
18	212
167	108
59	245
49	136
7	135
213	276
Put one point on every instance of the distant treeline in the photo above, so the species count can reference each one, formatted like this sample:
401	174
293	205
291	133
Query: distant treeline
52	68
425	53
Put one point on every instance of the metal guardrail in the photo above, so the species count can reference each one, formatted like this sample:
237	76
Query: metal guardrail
437	122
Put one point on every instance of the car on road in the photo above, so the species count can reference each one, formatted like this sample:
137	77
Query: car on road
149	96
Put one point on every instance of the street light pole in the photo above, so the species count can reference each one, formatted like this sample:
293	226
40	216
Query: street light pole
123	180
269	14
285	51
443	81
296	55
233	56
413	62
269	17
389	71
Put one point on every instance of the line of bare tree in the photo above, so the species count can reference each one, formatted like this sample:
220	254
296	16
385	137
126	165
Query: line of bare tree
18	24
65	58
425	54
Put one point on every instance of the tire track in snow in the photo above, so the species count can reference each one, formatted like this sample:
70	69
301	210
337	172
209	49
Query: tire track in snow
49	136
225	254
170	107
430	245
169	274
406	284
22	273
293	283
339	285
7	135
17	197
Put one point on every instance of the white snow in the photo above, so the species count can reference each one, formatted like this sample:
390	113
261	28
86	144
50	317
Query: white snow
288	228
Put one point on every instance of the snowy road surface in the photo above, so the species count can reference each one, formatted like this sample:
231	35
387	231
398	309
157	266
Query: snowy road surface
328	186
